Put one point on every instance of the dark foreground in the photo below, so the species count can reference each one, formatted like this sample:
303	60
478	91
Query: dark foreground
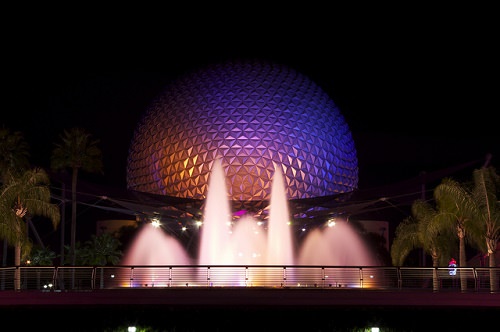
250	309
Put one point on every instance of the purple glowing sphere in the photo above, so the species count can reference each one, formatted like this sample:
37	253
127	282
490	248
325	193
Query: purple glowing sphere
252	115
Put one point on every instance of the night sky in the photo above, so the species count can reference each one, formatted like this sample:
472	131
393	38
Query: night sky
416	93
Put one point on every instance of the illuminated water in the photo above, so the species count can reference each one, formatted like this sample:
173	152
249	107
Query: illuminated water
216	229
248	241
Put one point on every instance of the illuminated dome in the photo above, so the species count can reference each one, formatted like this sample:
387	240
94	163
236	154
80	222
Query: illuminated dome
252	115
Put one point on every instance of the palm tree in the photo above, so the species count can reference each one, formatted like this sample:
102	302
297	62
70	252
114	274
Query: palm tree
42	256
14	156
80	254
14	153
459	210
20	196
486	188
475	210
77	151
103	250
424	229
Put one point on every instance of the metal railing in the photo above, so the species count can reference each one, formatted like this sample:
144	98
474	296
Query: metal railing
474	279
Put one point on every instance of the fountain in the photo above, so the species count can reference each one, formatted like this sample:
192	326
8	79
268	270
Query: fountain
226	250
215	232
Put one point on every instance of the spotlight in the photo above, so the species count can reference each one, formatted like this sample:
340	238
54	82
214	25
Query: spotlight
155	222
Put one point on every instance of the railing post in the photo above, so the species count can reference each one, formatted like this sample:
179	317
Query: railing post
400	279
92	278
54	277
17	279
476	280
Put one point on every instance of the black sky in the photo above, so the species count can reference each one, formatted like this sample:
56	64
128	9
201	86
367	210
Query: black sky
417	94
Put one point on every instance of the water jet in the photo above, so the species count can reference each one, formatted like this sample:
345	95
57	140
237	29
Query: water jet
226	246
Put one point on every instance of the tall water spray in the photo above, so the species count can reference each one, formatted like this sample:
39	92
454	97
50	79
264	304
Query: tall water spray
280	250
247	241
216	229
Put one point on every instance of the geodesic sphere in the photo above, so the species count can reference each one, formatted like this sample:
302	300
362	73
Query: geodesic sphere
251	115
